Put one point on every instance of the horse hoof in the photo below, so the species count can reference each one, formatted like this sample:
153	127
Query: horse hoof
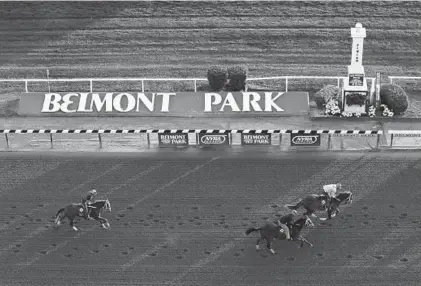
273	251
323	218
311	245
257	248
75	229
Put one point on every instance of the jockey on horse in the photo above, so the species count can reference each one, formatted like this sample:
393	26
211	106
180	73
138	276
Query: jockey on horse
86	199
330	192
286	221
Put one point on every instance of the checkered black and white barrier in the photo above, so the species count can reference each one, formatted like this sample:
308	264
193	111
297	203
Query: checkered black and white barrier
213	137
207	131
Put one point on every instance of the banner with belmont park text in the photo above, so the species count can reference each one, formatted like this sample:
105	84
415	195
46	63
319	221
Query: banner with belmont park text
181	104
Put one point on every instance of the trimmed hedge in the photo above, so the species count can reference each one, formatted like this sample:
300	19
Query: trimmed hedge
217	77
237	77
326	93
394	97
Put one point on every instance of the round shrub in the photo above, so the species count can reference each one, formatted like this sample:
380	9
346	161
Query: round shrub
237	77
217	77
327	93
394	97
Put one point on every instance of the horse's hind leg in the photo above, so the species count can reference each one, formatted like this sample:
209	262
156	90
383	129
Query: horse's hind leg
72	224
257	244
269	245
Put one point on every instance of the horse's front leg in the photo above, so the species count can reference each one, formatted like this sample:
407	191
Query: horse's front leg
104	222
306	241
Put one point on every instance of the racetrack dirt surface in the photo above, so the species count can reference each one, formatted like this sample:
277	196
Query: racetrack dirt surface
179	219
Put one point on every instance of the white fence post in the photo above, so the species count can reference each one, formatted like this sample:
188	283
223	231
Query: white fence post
26	86
195	86
90	85
286	84
143	86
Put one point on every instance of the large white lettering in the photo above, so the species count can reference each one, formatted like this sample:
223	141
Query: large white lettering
270	101
131	102
108	102
51	99
230	101
249	101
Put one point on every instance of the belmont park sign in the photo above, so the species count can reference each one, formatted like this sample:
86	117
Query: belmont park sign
163	103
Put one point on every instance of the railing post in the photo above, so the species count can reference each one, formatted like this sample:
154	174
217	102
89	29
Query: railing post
280	140
148	139
51	140
26	86
391	140
195	86
7	140
391	79
329	139
286	84
100	140
90	85
339	82
143	85
378	142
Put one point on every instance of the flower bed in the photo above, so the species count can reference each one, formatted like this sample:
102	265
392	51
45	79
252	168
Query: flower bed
332	108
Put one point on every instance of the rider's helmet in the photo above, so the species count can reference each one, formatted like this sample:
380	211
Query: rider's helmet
93	192
294	212
339	186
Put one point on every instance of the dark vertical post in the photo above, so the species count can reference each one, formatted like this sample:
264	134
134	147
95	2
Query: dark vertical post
329	138
100	140
51	140
7	140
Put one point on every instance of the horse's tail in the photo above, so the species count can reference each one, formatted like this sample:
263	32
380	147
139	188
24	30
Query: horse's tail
58	214
252	229
294	207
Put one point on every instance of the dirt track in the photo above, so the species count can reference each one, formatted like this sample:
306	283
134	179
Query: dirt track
179	219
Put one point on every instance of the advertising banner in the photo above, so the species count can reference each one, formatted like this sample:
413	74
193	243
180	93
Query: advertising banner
173	139
206	139
184	104
256	139
305	139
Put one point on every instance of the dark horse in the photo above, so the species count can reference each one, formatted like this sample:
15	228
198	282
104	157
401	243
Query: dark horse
77	210
313	203
270	231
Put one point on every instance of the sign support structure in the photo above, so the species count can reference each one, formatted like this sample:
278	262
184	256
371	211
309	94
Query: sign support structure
355	94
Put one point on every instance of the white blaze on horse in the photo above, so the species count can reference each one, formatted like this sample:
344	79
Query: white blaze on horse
95	209
271	231
313	203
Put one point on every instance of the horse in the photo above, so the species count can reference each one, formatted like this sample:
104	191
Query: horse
313	203
342	198
95	211
271	231
73	210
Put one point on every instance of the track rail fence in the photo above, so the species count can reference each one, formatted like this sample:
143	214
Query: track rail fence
301	139
286	79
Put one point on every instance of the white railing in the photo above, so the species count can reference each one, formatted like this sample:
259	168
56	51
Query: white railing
391	78
194	80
